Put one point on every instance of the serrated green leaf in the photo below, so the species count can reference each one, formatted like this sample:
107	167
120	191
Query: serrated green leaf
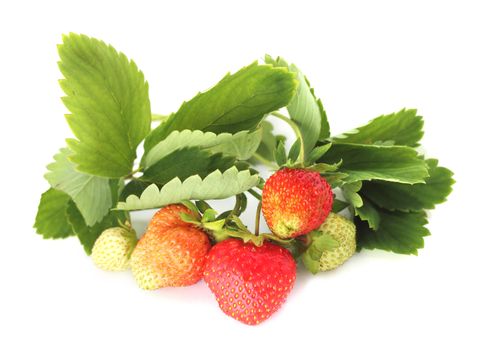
82	188
350	191
324	168
107	96
217	185
241	145
89	234
51	221
304	108
238	102
398	232
412	197
367	212
184	163
280	155
135	187
372	162
402	128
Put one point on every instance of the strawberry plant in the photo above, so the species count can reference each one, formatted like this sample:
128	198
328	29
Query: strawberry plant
330	195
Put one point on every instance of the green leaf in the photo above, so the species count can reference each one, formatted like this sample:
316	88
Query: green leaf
401	128
398	232
339	205
412	197
91	194
321	242
238	102
269	142
324	167
367	212
184	163
89	234
304	108
217	185
241	145
372	162
135	187
280	155
350	191
51	221
107	96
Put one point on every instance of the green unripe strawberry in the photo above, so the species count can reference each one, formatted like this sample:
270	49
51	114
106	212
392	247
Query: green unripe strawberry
344	232
113	248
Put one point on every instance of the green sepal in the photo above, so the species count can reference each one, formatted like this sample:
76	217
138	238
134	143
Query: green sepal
319	243
318	152
280	154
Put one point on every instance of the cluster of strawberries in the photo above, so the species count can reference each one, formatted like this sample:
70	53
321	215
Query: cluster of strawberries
249	281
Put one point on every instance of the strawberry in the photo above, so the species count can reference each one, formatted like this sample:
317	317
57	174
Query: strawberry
170	257
250	283
113	248
295	202
344	232
169	217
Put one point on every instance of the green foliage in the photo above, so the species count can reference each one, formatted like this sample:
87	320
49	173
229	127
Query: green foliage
186	162
320	242
51	221
415	197
107	96
268	142
350	191
238	102
401	128
203	152
217	185
280	154
241	145
367	212
398	232
89	234
304	108
82	188
372	162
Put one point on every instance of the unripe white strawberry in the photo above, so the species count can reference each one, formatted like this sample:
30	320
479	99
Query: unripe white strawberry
113	248
344	232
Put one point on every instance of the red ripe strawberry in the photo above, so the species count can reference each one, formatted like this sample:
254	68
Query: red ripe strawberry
250	283
170	258
295	202
169	217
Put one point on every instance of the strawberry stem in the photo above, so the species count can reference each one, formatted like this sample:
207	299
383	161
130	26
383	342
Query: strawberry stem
257	219
255	194
297	133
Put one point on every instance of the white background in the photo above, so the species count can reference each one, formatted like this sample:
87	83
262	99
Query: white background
364	59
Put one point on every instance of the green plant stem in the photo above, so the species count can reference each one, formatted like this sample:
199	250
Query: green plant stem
159	117
257	219
135	171
255	194
297	132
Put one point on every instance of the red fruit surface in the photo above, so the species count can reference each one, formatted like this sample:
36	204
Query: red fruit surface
250	283
169	217
295	202
173	257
